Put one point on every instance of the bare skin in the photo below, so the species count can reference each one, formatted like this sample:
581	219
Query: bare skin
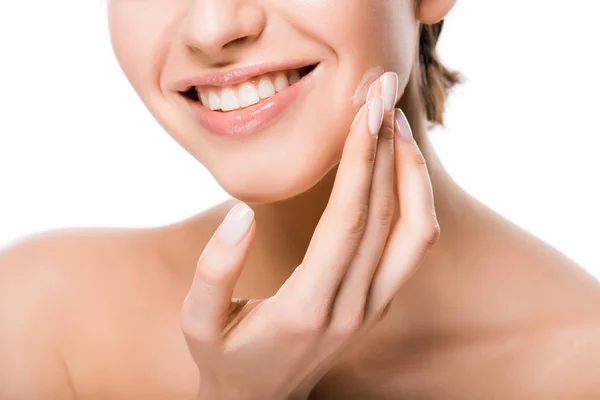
492	312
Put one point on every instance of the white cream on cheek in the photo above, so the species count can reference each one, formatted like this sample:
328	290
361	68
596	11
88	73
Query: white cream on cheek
360	96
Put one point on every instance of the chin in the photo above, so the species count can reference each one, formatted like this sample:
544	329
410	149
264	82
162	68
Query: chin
268	183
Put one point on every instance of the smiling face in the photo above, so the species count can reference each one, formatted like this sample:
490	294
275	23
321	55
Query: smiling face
261	139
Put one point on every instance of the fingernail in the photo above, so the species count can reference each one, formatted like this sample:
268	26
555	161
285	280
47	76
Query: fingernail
389	84
402	126
358	114
375	115
236	224
371	93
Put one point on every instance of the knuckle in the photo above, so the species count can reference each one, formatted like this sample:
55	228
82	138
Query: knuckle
430	233
193	330
356	221
306	321
347	326
212	275
186	324
385	208
425	230
307	325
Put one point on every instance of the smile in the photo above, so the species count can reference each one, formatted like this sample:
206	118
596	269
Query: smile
244	101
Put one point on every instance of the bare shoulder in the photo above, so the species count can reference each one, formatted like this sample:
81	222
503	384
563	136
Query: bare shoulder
53	264
81	310
555	342
522	321
564	358
48	284
34	273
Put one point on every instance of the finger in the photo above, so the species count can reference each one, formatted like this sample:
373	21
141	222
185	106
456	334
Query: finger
206	309
314	283
349	303
417	228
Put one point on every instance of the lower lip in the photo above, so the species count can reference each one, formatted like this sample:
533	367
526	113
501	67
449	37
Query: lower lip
249	120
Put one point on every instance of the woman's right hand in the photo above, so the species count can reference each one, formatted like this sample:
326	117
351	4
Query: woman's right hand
280	347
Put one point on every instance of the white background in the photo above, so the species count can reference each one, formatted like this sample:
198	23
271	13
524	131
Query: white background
77	147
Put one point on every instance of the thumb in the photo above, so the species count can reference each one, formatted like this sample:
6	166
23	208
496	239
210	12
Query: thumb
206	308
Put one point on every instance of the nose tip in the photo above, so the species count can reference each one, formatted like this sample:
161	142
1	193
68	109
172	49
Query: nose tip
215	28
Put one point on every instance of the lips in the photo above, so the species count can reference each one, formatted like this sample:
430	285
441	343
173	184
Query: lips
240	74
253	118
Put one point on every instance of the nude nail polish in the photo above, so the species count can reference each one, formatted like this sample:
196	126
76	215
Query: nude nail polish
236	224
389	90
402	126
375	115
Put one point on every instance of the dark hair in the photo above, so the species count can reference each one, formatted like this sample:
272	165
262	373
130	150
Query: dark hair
435	80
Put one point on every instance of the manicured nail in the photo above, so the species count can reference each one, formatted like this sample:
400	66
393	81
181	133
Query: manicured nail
236	224
376	88
402	126
389	84
358	114
375	115
371	88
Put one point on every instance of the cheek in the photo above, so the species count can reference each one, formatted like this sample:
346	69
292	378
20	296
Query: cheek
365	36
369	33
381	32
138	34
361	35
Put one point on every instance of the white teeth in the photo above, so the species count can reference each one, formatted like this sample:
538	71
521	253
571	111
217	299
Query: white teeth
294	77
203	97
248	94
266	88
281	81
229	100
214	101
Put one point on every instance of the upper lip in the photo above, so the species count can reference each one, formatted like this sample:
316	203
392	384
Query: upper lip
233	76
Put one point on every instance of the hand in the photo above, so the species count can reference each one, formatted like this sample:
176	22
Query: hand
280	347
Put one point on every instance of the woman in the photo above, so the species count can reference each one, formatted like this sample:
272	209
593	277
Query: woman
303	110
